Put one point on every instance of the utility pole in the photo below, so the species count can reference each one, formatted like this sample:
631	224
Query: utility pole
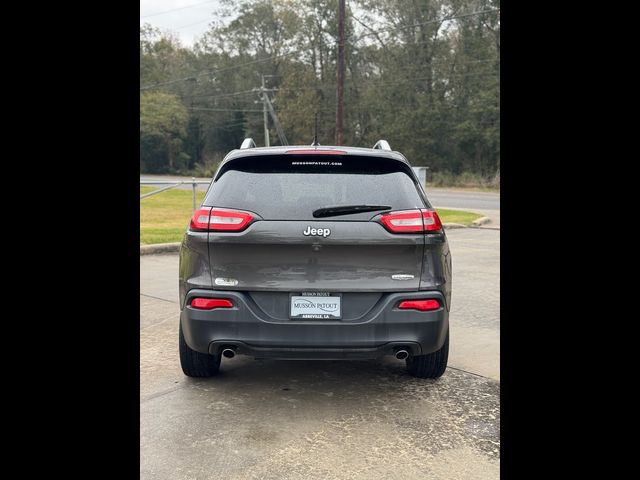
263	96
267	109
340	89
276	122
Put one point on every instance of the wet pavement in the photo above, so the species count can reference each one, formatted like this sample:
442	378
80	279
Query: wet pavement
263	419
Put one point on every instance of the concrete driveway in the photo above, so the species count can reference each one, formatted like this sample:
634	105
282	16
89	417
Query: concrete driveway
326	420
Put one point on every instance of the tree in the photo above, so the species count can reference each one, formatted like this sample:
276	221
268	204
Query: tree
163	122
424	74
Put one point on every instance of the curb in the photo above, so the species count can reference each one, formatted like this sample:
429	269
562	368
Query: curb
449	226
481	221
156	248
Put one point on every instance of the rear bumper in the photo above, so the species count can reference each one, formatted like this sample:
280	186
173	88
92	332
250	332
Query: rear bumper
380	331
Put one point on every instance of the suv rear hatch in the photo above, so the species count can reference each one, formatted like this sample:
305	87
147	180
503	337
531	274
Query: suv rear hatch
268	238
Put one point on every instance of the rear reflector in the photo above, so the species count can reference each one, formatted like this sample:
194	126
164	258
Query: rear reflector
422	305
220	220
211	303
411	221
316	152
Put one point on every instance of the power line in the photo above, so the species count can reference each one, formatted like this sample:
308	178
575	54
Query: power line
255	61
439	20
447	63
176	9
190	25
403	80
213	72
213	95
438	64
211	127
414	69
366	82
224	95
208	109
223	110
161	84
376	82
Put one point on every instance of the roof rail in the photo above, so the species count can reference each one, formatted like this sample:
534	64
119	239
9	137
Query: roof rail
382	145
248	143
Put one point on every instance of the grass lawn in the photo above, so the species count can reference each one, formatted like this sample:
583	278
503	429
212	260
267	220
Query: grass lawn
456	216
164	217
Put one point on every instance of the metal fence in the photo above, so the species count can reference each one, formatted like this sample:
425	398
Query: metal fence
173	184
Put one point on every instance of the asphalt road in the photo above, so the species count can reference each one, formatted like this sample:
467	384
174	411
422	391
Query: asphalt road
329	420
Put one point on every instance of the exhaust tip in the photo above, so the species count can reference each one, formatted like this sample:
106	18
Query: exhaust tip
228	353
401	354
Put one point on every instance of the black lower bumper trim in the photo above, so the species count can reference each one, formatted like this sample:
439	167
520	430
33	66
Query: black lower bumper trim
314	353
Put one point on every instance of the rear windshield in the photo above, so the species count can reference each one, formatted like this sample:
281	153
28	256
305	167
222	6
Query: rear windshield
291	187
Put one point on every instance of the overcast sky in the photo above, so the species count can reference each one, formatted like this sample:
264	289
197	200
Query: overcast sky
186	18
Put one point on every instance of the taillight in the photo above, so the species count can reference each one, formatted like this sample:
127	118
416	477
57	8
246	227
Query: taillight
220	220
411	221
229	220
432	221
400	222
210	303
200	220
422	305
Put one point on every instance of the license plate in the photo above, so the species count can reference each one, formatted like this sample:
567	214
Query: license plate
317	305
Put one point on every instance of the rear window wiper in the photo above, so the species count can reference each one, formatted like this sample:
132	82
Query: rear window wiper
347	209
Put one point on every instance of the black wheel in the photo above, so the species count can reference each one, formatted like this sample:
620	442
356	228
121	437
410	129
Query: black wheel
196	364
432	365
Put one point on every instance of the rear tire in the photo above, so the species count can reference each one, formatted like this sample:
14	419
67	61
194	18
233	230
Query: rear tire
432	365
196	364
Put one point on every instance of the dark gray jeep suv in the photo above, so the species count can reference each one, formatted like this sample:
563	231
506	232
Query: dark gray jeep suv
315	253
